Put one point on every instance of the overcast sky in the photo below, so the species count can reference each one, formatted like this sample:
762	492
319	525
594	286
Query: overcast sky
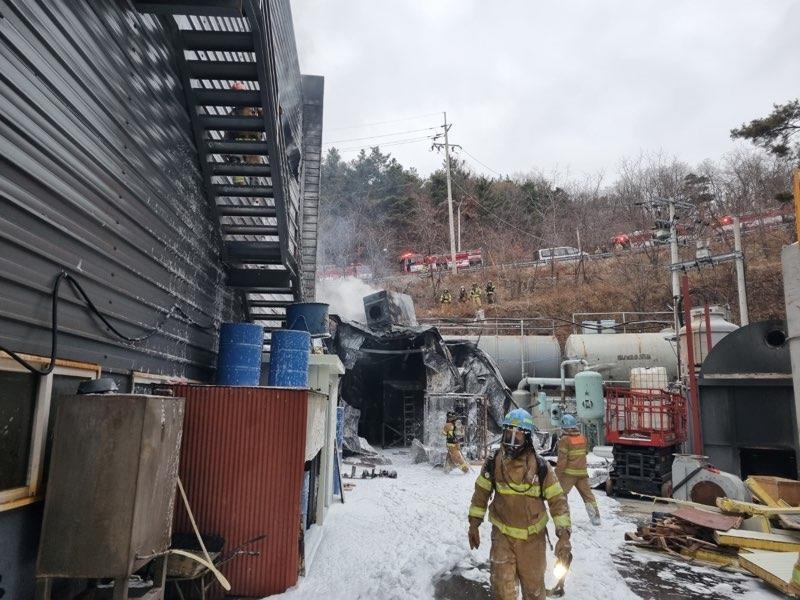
531	85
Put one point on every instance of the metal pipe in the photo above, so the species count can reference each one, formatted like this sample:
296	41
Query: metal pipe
564	363
697	434
544	381
744	317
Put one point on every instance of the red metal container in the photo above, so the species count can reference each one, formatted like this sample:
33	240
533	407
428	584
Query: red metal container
645	417
242	466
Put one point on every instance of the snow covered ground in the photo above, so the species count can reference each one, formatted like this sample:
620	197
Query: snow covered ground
393	539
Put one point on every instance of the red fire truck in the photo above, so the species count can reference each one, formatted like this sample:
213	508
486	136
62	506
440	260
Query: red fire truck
411	262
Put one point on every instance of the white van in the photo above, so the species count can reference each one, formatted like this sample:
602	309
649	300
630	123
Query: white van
561	253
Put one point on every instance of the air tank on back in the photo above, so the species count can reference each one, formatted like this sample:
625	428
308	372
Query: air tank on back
541	354
719	329
614	355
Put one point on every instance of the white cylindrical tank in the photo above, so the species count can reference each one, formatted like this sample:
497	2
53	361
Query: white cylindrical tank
613	356
719	329
541	354
589	395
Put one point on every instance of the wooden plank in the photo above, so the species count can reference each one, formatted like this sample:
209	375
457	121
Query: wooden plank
748	508
773	567
708	519
758	523
777	542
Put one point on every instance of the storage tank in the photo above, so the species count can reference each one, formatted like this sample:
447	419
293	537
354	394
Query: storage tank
589	395
719	329
613	356
541	354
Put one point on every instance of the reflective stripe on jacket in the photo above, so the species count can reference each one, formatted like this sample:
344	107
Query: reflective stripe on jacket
516	507
572	450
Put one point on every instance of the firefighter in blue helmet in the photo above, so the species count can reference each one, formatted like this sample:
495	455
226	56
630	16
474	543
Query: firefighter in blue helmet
519	484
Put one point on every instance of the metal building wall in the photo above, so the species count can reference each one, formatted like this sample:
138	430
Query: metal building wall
99	177
313	95
242	461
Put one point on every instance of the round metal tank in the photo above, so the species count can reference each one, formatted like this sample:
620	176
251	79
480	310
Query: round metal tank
589	395
308	316
719	329
541	354
614	355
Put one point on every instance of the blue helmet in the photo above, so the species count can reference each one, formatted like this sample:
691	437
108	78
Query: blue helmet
520	418
568	422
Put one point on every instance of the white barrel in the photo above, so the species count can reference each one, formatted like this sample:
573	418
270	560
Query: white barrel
719	329
613	356
538	355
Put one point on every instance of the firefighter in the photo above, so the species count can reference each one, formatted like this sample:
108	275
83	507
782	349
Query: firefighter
519	482
475	295
246	136
490	292
453	432
571	465
446	298
462	294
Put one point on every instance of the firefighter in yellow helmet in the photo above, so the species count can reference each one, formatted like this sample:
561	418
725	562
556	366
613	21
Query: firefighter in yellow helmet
453	432
519	483
571	466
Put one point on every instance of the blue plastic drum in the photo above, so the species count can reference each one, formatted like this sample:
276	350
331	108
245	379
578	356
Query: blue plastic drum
288	358
239	358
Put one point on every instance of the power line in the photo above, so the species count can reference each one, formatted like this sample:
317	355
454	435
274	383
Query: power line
383	135
386	144
386	122
481	163
491	214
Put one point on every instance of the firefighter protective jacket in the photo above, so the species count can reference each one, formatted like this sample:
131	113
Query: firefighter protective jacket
453	433
517	508
572	450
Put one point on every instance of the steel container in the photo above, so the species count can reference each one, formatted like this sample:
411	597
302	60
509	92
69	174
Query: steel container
719	329
589	395
613	356
308	316
111	484
535	355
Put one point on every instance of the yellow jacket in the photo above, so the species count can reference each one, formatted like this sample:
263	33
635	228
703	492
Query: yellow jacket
572	450
517	508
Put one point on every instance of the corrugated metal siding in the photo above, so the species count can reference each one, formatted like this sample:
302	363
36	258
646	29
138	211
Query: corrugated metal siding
290	98
313	95
99	177
242	467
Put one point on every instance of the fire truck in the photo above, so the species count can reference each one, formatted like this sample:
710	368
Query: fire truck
411	262
768	218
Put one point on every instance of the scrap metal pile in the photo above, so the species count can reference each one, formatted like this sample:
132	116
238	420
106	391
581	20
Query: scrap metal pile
761	537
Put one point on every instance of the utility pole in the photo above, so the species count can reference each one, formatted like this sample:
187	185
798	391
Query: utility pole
446	146
744	317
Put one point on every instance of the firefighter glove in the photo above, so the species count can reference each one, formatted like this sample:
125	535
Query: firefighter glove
474	535
563	549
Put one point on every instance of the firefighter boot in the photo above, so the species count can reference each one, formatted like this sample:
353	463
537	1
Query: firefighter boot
594	514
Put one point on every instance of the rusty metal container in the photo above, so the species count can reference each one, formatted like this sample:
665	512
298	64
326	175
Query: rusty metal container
111	487
242	466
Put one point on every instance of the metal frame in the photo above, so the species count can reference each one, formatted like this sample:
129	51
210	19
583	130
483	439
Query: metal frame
10	498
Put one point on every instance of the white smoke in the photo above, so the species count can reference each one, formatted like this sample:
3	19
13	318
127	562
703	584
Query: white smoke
345	296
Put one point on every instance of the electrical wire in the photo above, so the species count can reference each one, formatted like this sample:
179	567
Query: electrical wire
383	135
175	309
481	163
387	144
436	114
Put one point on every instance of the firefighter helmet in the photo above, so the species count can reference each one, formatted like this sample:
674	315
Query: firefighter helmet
569	422
517	430
519	417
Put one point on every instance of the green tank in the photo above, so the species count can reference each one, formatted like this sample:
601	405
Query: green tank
589	395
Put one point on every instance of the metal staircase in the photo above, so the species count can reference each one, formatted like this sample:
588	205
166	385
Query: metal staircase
224	45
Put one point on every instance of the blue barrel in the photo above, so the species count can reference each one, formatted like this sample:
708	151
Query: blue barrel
239	358
288	358
308	316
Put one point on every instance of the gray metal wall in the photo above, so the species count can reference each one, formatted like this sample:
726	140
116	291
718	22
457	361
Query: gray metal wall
99	177
313	95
